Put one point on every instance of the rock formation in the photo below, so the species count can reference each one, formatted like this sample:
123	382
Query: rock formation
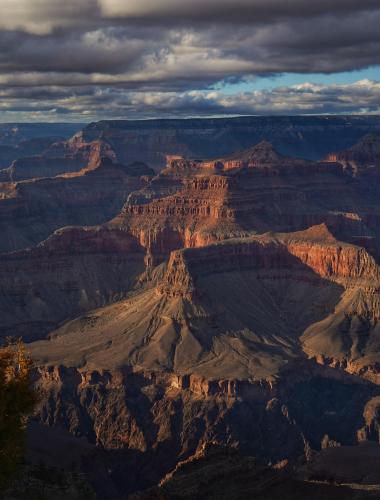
150	141
25	139
216	472
89	189
362	158
233	300
305	136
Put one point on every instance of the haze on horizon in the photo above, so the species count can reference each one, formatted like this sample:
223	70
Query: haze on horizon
99	59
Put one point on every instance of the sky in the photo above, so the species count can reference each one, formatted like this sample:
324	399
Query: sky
86	60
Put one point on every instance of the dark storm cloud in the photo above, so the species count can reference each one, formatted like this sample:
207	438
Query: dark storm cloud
43	16
69	55
227	11
102	50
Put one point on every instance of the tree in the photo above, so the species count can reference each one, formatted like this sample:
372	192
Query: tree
17	400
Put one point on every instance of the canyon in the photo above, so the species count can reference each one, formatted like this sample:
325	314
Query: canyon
227	296
18	140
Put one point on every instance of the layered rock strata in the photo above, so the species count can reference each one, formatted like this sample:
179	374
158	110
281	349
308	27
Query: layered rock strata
233	300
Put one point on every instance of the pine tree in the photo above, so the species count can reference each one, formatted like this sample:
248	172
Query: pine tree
17	400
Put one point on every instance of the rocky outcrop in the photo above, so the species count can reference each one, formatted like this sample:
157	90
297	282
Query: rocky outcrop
332	260
64	157
211	204
71	272
152	422
216	471
39	166
261	156
365	151
179	325
362	159
31	210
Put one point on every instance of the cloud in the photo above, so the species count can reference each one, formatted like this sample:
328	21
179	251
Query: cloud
101	50
91	103
362	96
236	11
177	50
45	16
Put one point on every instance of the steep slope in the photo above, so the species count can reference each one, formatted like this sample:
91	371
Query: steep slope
31	210
235	308
18	140
74	270
349	336
217	472
39	166
363	155
12	150
192	203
